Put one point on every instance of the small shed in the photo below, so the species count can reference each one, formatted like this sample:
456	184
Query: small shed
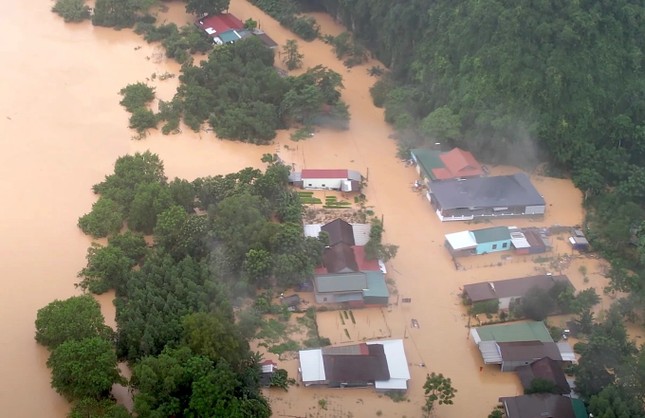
292	302
578	240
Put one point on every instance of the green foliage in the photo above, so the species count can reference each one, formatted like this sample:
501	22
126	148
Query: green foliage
107	268
536	304
203	7
72	10
84	368
496	413
150	200
131	171
487	307
438	388
305	27
118	13
97	408
280	379
441	125
136	96
73	319
612	402
250	24
539	385
215	336
106	218
180	383
286	12
142	120
375	249
292	57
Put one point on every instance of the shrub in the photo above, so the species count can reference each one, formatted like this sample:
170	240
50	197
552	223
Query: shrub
136	95
72	10
143	119
105	218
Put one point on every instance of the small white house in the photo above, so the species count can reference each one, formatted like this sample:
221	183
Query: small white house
327	179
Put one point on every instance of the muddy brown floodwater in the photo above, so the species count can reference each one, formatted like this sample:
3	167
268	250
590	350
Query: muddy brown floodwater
62	128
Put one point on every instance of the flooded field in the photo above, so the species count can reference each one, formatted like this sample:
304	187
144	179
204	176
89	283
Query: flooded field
62	129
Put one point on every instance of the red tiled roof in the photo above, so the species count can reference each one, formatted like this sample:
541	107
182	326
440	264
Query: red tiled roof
221	22
324	174
461	163
363	263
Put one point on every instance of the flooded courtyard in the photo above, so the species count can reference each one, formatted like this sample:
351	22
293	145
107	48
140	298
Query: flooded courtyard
62	128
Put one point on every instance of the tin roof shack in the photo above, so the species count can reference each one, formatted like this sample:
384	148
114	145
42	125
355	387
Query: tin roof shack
486	197
578	240
517	331
434	165
543	405
292	302
529	240
545	369
510	290
267	370
381	364
481	241
327	179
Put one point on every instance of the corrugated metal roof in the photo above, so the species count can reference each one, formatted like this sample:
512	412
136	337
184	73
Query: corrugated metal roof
376	285
332	283
463	240
490	352
397	364
487	192
361	233
518	331
312	367
492	234
518	287
323	173
566	351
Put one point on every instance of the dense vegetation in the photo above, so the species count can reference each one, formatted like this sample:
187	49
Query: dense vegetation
214	239
241	96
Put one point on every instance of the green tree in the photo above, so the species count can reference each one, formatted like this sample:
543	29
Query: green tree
206	7
72	319
97	408
117	13
612	402
150	200
441	125
72	10
183	194
537	304
136	96
375	249
437	388
84	368
257	267
107	268
214	335
105	218
539	385
292	57
132	244
129	172
496	413
143	119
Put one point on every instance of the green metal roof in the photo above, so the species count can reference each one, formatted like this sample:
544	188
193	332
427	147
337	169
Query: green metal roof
376	285
493	234
518	331
348	282
428	159
579	408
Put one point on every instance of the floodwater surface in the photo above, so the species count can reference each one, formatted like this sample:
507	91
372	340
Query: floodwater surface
62	129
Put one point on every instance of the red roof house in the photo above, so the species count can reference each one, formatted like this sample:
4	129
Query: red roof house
458	163
217	24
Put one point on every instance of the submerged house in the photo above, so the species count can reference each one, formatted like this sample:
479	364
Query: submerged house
544	369
519	344
225	28
543	405
434	165
480	241
327	179
482	197
353	289
381	364
510	290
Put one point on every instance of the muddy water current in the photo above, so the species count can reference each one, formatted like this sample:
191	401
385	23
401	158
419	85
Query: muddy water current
61	129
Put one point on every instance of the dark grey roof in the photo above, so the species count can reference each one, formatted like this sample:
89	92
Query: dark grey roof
498	289
538	406
339	231
357	368
487	192
546	369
